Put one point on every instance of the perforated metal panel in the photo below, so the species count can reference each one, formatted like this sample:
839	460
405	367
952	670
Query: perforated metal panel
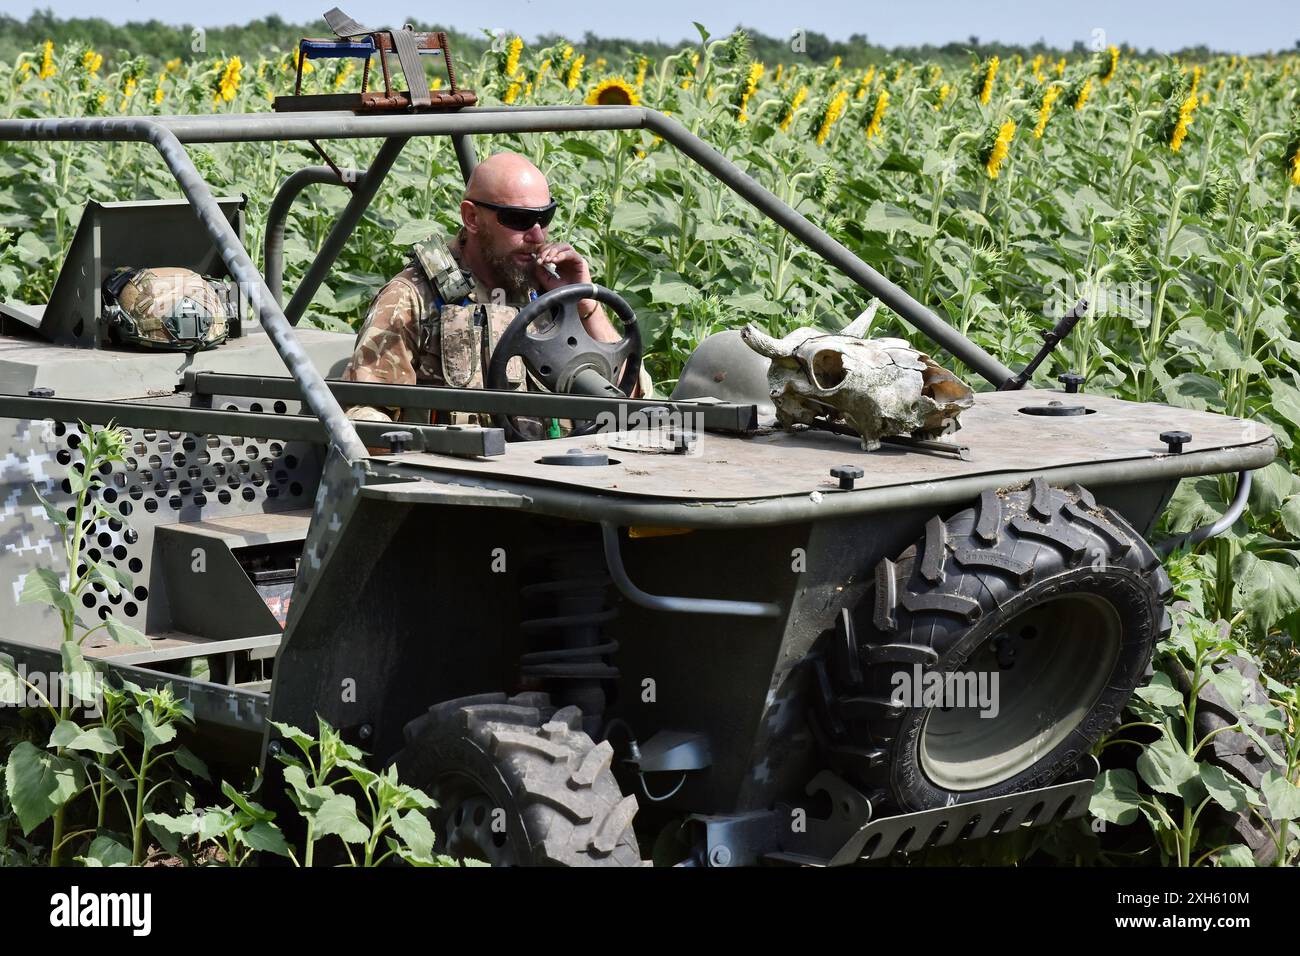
171	477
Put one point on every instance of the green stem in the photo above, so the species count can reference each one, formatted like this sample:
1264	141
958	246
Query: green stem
936	202
137	820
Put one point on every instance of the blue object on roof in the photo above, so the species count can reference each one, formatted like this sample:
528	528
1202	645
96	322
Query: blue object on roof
335	49
328	49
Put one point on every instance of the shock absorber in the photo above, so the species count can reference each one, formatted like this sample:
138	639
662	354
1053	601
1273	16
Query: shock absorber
568	607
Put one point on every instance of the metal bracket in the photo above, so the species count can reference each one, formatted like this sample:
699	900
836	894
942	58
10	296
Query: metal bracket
672	751
941	826
1051	339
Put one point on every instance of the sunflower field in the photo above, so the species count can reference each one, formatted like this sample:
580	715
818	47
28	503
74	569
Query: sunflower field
997	193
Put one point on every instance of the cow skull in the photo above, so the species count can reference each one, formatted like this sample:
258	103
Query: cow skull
879	387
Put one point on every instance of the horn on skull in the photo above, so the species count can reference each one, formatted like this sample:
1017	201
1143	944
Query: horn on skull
764	344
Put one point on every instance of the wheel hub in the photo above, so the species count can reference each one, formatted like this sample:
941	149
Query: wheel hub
1045	668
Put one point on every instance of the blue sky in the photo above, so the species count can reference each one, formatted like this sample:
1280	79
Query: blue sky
1251	26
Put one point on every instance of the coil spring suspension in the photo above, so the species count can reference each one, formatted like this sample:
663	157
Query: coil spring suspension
570	607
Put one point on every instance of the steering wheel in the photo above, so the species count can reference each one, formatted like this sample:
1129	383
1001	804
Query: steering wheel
562	355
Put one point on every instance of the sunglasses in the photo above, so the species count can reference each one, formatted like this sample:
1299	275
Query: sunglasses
520	218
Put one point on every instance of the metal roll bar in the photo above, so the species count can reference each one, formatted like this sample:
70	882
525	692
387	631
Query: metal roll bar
362	195
168	133
278	214
317	396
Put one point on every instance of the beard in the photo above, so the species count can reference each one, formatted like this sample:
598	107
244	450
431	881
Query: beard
515	280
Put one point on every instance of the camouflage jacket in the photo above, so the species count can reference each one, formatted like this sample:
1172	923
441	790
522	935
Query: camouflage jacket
412	336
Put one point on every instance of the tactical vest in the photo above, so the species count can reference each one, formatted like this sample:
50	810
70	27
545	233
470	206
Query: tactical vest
459	330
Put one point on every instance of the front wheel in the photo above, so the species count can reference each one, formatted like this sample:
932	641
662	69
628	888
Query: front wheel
518	783
993	654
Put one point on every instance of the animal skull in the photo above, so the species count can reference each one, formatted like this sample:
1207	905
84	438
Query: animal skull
880	387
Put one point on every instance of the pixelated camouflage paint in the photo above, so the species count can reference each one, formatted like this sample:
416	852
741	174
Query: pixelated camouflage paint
28	538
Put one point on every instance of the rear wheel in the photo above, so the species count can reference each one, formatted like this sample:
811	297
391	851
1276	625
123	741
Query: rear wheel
1234	752
519	783
992	654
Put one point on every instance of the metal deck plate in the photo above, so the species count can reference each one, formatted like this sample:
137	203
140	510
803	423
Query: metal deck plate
776	464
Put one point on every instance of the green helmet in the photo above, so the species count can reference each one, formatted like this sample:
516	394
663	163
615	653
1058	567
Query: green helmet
168	308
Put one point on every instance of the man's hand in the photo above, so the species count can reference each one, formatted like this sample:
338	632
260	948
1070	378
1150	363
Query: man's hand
571	266
573	270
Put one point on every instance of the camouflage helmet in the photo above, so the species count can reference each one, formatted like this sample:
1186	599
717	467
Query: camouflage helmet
167	308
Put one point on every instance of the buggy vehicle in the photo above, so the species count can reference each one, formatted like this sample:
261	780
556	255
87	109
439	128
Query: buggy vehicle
688	628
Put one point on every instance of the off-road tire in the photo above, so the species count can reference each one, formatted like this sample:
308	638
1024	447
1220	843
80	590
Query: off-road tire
943	599
1234	752
521	762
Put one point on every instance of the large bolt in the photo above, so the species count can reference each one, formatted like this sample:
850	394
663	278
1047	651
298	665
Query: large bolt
1175	441
847	474
1072	381
397	441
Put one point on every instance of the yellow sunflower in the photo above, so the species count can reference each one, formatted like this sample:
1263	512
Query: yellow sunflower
228	85
746	90
834	110
575	71
795	103
1185	111
613	91
877	115
1084	91
1050	96
986	87
998	150
513	50
1110	64
344	74
865	83
48	69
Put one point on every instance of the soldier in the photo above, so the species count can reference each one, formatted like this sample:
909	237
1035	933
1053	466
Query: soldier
421	326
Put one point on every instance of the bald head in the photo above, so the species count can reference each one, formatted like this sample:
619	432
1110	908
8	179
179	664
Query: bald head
509	179
499	256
